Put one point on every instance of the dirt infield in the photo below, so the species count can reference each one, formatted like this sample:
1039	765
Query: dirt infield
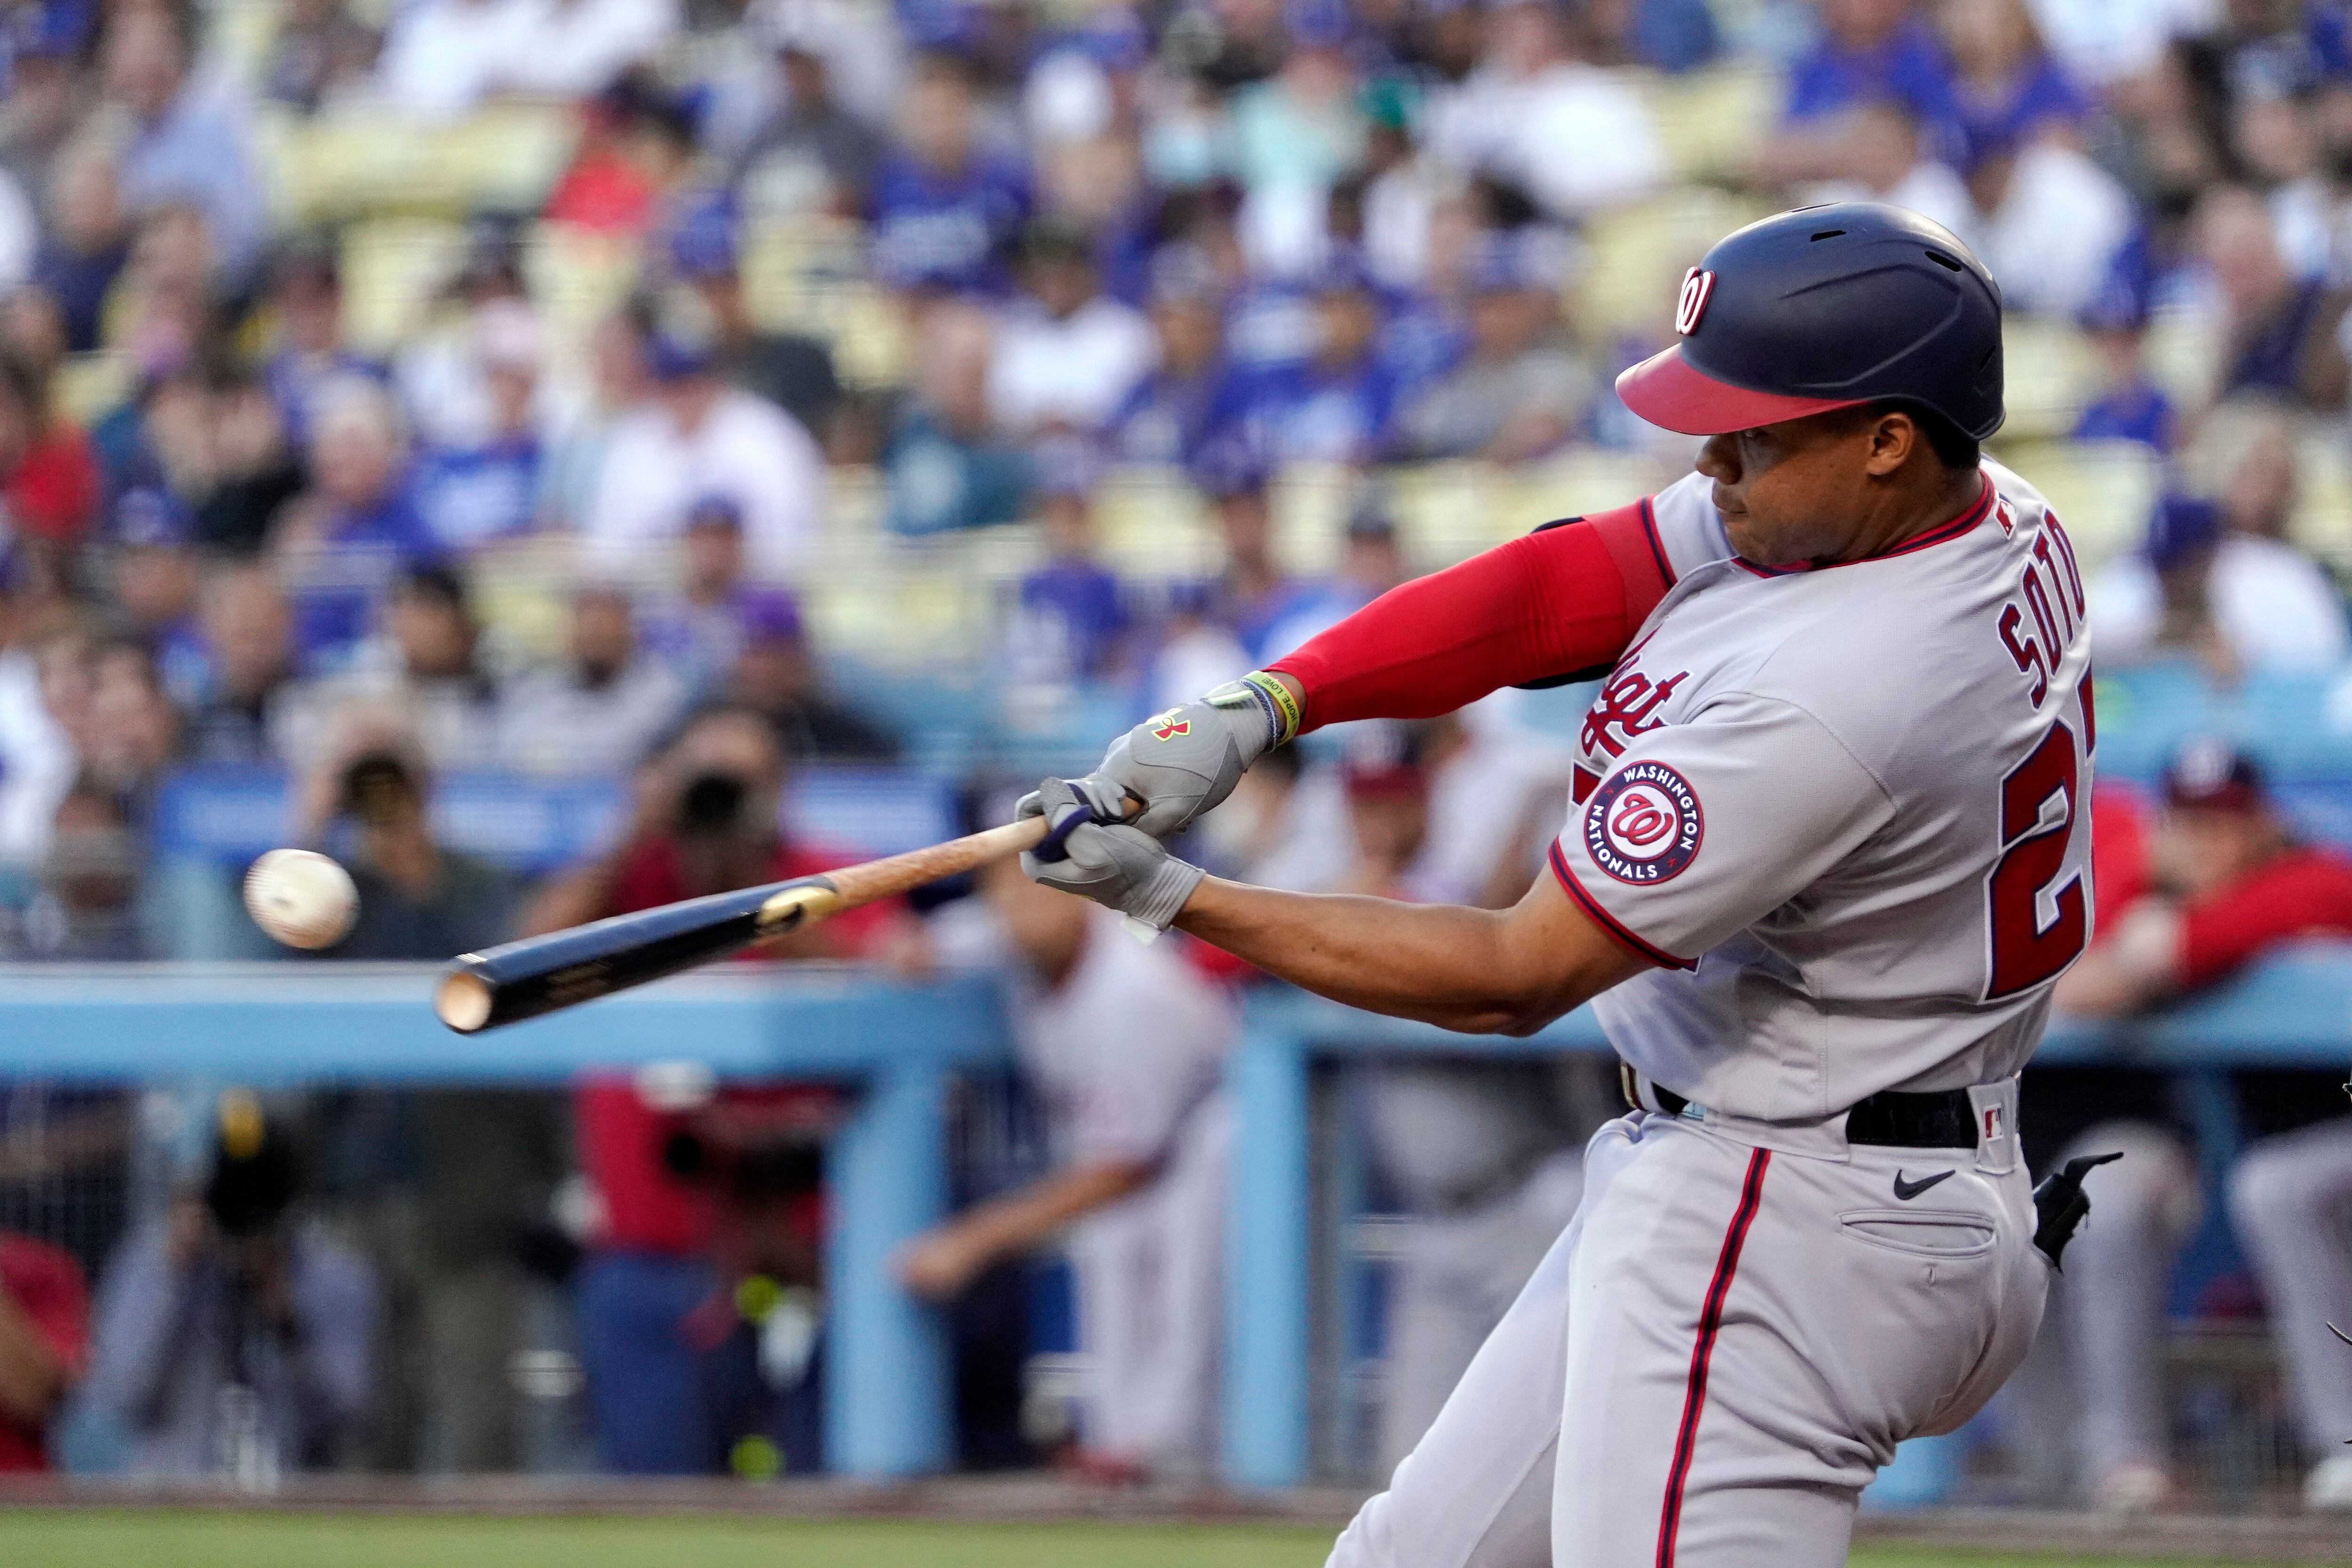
2186	1538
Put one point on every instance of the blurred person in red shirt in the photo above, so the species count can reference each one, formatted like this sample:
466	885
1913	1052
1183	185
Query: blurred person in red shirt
2187	898
2230	882
44	1335
48	475
697	1302
636	145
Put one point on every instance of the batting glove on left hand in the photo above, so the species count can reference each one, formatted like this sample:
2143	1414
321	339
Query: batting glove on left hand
1183	763
1123	868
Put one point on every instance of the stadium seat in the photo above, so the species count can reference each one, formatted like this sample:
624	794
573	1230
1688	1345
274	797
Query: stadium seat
2184	355
1446	511
522	593
808	276
1311	502
503	158
239	35
2049	374
394	269
1635	254
1710	119
921	616
577	279
2322	523
88	385
1152	526
2101	491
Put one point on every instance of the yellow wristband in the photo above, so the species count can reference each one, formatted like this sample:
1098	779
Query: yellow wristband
1285	704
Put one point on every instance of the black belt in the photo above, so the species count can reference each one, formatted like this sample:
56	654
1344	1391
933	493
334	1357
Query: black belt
1944	1120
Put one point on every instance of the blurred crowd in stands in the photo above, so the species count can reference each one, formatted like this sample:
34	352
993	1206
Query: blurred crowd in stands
611	390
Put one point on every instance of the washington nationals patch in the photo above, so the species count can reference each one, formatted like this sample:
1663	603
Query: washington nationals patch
1644	823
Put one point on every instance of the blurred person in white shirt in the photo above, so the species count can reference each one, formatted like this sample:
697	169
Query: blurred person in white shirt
440	368
599	711
1884	161
444	56
2105	42
2214	579
1193	645
2048	222
1066	354
1125	1045
37	755
576	48
1532	96
695	436
425	667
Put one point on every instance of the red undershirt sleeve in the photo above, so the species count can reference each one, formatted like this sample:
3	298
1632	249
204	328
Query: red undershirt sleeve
1564	599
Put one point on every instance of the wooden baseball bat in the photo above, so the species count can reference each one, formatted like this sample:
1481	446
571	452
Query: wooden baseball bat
562	969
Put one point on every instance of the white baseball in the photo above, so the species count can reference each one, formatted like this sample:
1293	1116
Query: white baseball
301	898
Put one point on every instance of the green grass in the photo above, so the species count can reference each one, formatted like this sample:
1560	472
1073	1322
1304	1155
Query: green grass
131	1539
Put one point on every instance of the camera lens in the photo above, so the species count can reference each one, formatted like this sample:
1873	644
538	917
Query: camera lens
712	803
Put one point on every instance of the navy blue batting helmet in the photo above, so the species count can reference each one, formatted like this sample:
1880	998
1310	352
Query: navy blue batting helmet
1826	308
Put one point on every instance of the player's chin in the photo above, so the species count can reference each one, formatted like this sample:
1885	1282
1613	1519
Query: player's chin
1751	543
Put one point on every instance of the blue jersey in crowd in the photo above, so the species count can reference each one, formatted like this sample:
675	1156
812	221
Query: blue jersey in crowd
1167	416
2039	96
1075	606
294	379
1909	66
1270	322
337	584
1310	413
468	498
2138	412
1421	342
947	231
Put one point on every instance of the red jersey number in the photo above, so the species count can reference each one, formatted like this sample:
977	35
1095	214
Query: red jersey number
2025	952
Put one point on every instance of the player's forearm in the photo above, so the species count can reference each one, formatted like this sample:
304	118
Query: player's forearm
1440	963
1021	1219
570	899
2134	968
32	1377
941	1262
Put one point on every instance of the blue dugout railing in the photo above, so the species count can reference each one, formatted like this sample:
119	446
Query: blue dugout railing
888	1390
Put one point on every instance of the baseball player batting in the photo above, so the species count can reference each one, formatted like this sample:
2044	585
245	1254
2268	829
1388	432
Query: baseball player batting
1829	852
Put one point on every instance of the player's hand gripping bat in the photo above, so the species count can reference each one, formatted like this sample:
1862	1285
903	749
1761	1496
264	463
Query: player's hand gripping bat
545	973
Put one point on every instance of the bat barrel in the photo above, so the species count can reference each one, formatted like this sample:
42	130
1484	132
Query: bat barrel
543	973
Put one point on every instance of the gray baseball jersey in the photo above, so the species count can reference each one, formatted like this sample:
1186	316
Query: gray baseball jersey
1842	809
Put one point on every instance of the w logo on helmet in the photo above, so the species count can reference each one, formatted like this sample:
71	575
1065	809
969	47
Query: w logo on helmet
1692	302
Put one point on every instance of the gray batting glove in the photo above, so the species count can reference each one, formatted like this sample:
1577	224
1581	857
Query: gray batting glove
1123	868
1180	762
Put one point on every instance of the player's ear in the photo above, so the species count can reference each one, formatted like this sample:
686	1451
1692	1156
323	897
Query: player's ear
1894	437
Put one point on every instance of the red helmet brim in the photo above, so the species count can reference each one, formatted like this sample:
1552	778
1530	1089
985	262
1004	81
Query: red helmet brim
1671	393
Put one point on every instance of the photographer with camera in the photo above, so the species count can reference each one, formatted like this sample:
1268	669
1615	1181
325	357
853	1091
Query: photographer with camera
455	1176
695	1299
418	899
232	1339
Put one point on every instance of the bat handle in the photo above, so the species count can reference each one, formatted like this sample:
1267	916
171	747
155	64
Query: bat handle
1055	845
